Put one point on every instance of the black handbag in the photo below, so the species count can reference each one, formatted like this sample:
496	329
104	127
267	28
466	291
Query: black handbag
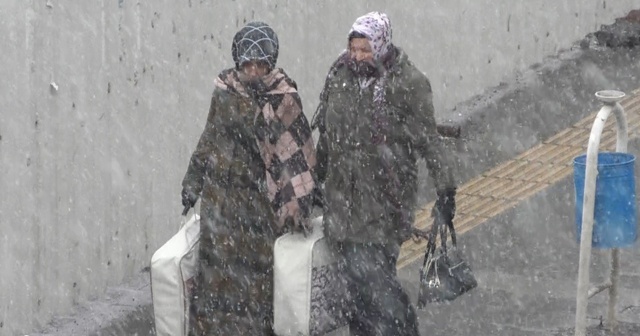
444	275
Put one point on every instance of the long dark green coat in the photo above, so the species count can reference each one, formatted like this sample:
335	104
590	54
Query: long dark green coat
234	288
254	169
358	187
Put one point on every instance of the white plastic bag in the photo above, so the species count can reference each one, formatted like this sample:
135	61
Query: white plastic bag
173	271
307	294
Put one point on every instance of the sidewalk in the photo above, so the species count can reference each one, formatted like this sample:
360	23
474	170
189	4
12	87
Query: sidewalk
526	263
526	257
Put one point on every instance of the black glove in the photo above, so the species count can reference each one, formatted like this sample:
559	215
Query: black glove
417	235
446	205
189	198
318	198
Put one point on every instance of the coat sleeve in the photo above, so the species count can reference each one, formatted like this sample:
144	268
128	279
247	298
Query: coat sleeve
318	122
421	128
193	179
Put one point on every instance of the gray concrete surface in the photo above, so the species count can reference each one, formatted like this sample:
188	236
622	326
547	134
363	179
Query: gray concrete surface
122	310
526	258
103	102
526	263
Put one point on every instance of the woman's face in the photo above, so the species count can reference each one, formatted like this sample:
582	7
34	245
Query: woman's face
360	50
361	57
255	69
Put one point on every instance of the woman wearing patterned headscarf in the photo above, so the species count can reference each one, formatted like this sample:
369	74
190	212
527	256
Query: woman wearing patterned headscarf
253	170
375	120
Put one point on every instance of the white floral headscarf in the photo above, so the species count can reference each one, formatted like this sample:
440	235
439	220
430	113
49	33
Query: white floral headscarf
376	27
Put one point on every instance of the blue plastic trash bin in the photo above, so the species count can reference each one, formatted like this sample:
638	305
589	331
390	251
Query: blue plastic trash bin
615	219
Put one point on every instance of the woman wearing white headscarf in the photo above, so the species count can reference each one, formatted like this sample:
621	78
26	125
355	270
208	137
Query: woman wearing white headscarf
376	120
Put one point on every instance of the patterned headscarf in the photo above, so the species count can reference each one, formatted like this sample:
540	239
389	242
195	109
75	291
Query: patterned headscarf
376	27
255	42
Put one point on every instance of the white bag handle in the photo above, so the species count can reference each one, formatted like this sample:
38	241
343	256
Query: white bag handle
185	218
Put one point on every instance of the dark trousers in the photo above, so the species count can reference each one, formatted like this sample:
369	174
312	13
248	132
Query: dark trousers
378	303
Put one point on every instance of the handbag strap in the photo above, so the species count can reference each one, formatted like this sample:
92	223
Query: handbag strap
439	227
443	235
452	231
431	246
443	226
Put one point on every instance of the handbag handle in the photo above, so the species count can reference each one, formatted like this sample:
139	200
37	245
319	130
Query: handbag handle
431	245
184	219
441	227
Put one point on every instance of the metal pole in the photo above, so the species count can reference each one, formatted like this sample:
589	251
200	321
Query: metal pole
597	289
610	99
613	290
621	147
586	233
622	131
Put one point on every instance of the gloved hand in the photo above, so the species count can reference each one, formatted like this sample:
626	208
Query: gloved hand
290	225
318	198
446	205
189	198
417	235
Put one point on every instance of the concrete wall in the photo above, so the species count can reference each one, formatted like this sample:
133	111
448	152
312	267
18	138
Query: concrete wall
102	102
